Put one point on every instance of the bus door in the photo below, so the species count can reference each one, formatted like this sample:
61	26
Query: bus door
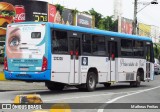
148	56
74	57
112	51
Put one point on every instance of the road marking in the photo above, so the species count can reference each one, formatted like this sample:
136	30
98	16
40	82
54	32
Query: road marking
115	99
88	96
79	97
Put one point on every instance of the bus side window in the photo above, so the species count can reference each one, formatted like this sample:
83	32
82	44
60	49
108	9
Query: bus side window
59	42
126	47
138	48
98	45
86	44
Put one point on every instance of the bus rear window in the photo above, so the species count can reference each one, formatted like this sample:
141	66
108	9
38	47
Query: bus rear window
36	35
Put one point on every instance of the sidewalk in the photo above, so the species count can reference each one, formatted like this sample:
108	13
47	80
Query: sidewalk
21	86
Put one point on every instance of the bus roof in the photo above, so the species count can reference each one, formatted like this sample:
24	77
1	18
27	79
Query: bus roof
99	32
90	30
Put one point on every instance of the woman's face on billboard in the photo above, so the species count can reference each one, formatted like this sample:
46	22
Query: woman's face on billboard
13	42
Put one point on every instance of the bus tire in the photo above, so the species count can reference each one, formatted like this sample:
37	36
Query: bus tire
91	81
136	83
106	85
54	86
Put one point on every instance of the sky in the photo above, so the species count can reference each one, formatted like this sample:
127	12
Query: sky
149	15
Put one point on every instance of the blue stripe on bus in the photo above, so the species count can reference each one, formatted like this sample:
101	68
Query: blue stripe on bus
99	32
91	30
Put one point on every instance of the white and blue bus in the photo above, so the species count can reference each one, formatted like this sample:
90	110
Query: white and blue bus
63	55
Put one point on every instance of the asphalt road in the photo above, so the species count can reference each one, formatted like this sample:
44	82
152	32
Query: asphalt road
121	94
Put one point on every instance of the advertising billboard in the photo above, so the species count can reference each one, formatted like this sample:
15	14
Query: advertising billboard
20	11
49	1
67	16
84	20
51	13
126	26
6	16
144	29
54	15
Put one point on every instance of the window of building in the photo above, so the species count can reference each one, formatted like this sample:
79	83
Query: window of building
126	47
59	42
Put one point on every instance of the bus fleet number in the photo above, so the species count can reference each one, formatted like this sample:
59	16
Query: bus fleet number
58	58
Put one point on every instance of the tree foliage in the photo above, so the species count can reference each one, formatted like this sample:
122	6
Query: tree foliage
103	23
60	8
157	51
97	16
107	23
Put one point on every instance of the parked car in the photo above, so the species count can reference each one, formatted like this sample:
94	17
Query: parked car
156	66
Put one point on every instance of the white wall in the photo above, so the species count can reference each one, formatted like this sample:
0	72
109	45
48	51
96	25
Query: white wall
155	33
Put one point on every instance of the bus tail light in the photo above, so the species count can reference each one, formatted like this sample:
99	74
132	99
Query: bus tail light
113	57
77	54
71	53
44	64
5	64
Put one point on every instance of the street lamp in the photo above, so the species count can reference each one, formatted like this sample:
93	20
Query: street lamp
134	31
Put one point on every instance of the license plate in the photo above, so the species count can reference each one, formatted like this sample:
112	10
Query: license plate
24	69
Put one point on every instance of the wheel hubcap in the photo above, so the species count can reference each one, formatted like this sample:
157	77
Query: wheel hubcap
138	78
91	82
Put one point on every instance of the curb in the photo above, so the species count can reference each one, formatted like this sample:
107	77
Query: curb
2	76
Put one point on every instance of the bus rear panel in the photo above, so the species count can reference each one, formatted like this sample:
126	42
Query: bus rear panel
26	55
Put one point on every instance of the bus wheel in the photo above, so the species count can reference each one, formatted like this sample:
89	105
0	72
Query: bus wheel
137	82
91	81
107	85
54	86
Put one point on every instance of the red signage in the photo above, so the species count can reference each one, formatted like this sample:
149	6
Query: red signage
127	26
20	13
51	13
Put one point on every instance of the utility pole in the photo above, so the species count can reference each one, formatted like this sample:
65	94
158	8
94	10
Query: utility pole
135	30
135	18
118	12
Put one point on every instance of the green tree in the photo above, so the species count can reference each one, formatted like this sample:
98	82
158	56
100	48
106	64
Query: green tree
60	8
103	23
107	23
97	16
157	50
115	26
